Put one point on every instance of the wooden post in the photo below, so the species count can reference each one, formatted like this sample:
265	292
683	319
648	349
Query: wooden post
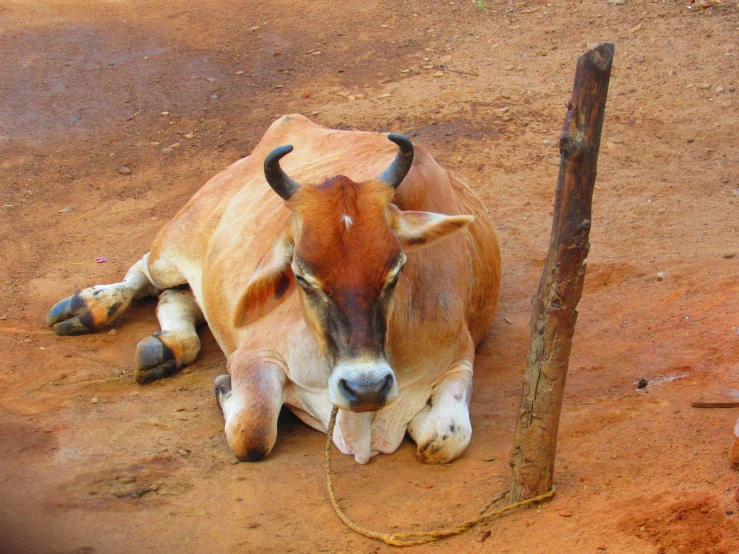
554	306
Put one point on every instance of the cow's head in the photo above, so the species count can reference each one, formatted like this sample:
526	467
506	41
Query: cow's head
344	249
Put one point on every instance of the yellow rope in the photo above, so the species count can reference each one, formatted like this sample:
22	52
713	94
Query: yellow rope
417	537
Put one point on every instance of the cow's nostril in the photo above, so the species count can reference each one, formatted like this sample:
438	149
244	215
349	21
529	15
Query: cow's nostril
387	384
348	390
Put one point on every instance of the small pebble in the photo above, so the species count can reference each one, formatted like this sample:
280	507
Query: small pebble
166	150
164	113
189	136
125	170
565	513
643	382
239	73
175	145
113	332
94	400
660	275
66	210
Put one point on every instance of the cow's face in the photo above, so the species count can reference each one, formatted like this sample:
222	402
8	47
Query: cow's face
347	262
344	249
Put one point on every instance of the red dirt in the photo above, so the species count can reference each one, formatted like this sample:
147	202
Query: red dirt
82	86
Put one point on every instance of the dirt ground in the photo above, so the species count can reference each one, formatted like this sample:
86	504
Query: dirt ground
92	462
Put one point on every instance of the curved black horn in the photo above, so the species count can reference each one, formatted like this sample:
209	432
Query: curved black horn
280	182
397	171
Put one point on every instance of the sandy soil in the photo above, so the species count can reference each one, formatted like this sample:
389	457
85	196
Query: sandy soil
482	85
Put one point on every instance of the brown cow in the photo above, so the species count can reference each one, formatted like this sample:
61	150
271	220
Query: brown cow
386	316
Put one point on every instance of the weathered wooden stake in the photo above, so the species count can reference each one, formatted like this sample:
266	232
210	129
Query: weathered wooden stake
554	306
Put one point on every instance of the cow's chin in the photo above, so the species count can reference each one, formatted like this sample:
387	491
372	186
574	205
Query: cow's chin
362	386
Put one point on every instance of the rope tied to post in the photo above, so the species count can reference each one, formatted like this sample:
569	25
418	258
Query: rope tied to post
415	538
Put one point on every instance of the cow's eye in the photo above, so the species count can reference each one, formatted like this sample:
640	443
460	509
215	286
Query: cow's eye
393	281
302	282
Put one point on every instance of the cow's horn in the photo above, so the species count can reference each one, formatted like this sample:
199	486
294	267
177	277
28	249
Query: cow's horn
397	171
280	182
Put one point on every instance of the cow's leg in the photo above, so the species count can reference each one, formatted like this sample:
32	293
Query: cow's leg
92	308
250	399
177	345
442	429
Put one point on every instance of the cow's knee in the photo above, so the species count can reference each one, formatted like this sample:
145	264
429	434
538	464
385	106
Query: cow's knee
441	431
251	399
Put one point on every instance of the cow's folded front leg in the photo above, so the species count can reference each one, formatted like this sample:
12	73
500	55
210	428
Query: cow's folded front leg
250	399
178	345
442	429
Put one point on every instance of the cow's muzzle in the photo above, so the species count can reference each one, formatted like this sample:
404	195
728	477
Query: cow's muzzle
362	386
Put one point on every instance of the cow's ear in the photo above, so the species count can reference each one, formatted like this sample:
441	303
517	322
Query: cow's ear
417	229
270	285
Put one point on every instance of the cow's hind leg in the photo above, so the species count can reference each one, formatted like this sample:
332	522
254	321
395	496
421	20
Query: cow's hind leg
250	399
92	308
442	429
177	345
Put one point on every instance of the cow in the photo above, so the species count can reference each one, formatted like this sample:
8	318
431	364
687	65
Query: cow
325	283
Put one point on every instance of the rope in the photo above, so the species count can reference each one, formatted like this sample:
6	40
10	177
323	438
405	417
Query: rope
417	537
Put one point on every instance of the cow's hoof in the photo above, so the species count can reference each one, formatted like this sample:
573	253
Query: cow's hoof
221	387
443	448
154	360
71	316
